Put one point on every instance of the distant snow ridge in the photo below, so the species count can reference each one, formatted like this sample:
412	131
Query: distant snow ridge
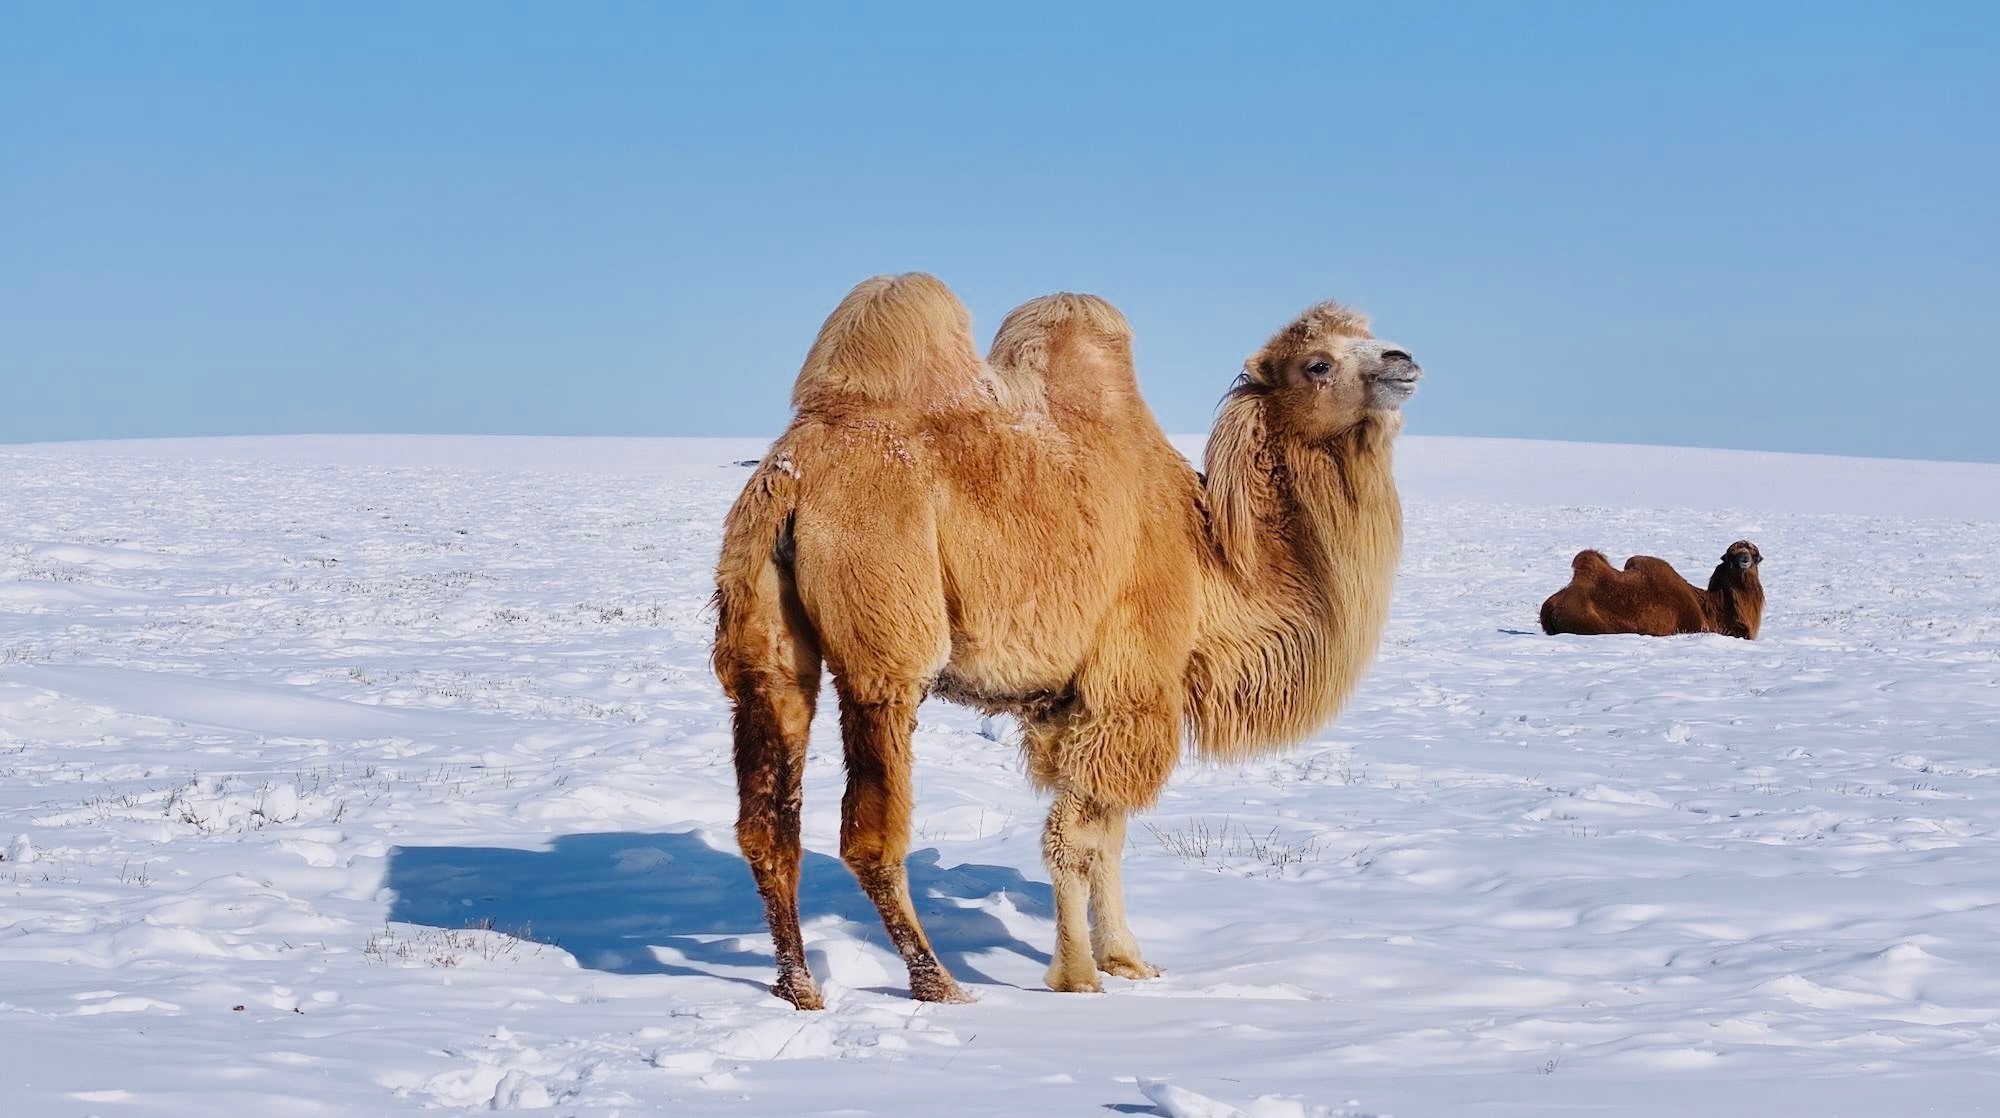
1174	1101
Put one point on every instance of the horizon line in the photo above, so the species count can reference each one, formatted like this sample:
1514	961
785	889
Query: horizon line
6	446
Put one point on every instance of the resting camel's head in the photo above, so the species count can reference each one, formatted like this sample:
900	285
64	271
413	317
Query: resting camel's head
1325	373
1743	555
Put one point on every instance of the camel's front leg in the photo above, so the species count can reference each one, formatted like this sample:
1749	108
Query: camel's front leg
1073	845
1070	846
1111	941
1106	764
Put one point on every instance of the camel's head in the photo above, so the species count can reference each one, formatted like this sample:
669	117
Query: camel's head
1742	555
1326	373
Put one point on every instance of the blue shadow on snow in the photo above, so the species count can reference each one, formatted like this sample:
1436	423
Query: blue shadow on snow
610	899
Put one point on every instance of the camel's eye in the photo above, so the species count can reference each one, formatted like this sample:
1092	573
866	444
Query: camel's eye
1319	368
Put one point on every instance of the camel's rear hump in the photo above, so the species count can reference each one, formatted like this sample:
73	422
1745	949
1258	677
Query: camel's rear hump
894	341
1072	352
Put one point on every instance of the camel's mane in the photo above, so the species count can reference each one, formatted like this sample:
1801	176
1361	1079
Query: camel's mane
1306	538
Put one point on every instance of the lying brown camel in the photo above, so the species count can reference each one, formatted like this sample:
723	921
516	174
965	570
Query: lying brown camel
1651	599
1019	536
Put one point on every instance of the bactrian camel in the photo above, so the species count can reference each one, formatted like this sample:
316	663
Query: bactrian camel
1651	599
1018	535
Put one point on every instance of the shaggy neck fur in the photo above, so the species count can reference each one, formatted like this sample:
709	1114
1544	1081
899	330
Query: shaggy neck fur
1305	536
1735	601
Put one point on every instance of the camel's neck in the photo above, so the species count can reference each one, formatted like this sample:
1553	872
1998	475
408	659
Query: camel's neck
1735	600
1306	540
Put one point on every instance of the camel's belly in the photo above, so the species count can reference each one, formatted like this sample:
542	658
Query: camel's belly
1011	663
1023	621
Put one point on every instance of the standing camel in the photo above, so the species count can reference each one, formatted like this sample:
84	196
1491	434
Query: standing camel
1018	535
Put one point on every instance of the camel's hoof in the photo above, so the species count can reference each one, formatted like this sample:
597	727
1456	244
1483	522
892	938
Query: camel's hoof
800	992
930	982
1129	968
1085	982
945	992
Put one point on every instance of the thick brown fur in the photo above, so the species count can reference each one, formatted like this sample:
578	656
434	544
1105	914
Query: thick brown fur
1651	599
1018	535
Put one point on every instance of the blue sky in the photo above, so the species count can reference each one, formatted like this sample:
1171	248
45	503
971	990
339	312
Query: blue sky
1767	225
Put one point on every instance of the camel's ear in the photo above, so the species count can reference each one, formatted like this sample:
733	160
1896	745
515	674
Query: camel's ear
1258	368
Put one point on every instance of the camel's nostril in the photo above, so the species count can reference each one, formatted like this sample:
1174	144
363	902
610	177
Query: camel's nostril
1396	355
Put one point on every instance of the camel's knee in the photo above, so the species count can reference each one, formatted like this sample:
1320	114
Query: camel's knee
1073	838
874	823
767	833
769	842
1068	850
771	724
876	724
871	837
769	728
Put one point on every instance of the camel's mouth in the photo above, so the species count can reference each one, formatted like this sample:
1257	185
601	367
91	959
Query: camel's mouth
1391	391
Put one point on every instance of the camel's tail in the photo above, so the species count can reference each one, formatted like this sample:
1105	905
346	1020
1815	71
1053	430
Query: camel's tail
762	635
895	340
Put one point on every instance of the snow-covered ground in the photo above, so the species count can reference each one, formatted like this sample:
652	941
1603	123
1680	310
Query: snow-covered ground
365	776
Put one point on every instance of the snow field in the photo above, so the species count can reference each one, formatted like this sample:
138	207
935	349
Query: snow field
360	777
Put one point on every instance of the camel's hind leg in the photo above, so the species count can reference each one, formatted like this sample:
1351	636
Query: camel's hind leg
875	725
875	591
773	718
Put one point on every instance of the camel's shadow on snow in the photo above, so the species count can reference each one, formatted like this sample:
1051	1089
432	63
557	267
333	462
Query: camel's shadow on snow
611	899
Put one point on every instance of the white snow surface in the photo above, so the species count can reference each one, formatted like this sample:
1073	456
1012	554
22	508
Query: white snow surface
363	776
